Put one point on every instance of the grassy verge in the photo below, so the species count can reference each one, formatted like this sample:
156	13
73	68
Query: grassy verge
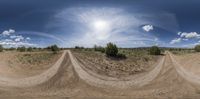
36	58
182	52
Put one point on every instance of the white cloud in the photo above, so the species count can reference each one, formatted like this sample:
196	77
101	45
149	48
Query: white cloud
28	38
176	40
9	39
185	39
179	33
155	39
17	38
11	43
190	35
185	36
8	32
147	28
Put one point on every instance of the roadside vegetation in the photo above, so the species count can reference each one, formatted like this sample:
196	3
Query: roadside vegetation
35	58
181	51
53	48
99	48
154	50
197	48
1	48
21	49
111	50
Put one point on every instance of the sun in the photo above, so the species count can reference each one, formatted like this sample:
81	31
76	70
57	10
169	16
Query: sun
101	29
101	25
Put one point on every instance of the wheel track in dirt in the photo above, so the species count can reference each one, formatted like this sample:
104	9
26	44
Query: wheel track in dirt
183	72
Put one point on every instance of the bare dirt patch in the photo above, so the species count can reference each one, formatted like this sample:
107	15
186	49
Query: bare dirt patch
99	63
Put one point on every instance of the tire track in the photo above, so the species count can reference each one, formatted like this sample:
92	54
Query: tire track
184	73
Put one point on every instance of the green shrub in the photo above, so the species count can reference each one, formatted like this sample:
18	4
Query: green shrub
79	47
197	48
111	50
21	49
30	49
55	49
12	48
99	48
154	50
1	48
120	55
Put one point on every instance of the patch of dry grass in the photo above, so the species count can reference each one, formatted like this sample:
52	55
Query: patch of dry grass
36	60
182	52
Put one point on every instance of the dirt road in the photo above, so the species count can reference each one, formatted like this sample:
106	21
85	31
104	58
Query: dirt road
69	79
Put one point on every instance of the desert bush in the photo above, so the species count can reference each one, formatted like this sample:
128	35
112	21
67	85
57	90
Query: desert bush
12	48
197	48
21	49
30	49
111	50
99	48
1	48
120	55
79	47
154	50
55	49
88	49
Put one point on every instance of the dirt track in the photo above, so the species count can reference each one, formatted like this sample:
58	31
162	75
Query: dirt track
69	79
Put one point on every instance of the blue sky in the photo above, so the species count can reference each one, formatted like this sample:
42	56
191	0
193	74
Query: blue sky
128	23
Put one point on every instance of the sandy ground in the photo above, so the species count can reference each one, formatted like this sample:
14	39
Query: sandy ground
69	80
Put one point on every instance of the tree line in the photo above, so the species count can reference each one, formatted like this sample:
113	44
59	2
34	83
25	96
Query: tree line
54	48
111	50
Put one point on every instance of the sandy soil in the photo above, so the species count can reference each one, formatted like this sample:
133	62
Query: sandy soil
67	80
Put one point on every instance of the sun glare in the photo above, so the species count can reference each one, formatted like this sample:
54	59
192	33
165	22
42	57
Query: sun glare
101	29
101	25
